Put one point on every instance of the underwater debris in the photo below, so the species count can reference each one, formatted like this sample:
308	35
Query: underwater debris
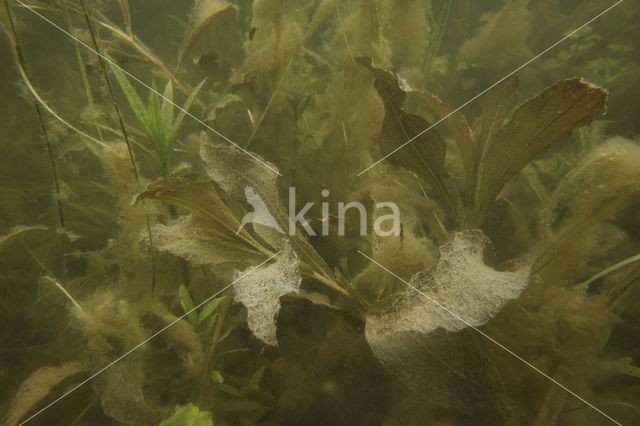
260	292
605	180
460	282
430	349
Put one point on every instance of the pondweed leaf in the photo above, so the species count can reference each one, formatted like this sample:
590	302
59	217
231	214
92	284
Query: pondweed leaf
495	154
188	415
457	124
497	103
210	234
201	199
202	15
36	388
534	127
425	155
235	171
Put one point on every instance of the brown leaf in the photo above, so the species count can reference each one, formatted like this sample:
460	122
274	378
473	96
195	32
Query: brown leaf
36	388
496	105
235	171
203	14
201	199
535	125
425	154
458	126
210	235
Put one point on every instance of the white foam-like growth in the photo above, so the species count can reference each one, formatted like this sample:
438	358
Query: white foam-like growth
260	291
461	282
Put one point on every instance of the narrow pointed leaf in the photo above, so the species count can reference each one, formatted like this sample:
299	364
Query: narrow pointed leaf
187	305
166	110
176	125
208	309
138	108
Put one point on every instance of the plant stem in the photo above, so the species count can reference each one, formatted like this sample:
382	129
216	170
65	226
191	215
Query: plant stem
585	285
207	365
329	283
22	68
83	73
110	89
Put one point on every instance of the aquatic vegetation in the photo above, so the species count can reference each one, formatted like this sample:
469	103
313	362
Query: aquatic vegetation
157	119
517	236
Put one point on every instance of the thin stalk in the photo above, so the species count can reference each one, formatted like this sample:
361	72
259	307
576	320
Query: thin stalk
271	99
134	42
22	68
434	48
329	283
207	365
83	73
126	15
585	285
124	130
52	279
64	291
110	89
56	185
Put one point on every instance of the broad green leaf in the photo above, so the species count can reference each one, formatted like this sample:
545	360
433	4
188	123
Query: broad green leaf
156	132
169	318
202	15
188	415
211	322
216	377
624	366
534	127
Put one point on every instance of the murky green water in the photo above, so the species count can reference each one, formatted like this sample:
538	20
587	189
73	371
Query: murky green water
333	212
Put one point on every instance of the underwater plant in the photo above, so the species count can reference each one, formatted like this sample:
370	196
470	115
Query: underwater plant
511	235
157	118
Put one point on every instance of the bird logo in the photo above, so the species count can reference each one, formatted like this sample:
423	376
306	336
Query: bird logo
260	213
